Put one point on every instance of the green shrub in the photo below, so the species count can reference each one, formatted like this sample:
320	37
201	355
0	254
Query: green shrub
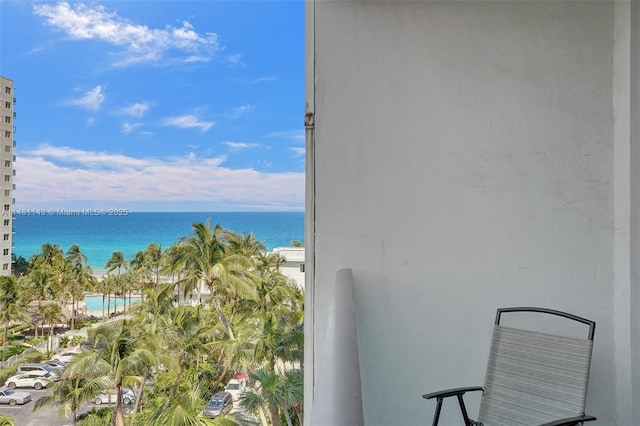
165	380
6	372
35	356
96	417
14	349
18	328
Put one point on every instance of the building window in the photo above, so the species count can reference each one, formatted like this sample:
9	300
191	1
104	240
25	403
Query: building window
7	192
5	252
7	207
7	163
6	222
7	104
7	119
5	237
5	267
7	90
7	148
7	178
7	134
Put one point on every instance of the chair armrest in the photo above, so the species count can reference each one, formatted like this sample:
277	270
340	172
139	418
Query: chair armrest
570	421
452	392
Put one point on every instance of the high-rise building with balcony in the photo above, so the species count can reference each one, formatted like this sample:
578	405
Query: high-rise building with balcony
7	157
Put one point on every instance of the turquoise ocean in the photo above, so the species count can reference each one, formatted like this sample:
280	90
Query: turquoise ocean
99	236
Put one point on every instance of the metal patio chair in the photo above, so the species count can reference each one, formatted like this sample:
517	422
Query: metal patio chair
532	378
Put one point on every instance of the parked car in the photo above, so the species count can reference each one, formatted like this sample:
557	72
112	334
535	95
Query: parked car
109	397
41	369
219	405
28	380
56	364
66	356
11	397
236	387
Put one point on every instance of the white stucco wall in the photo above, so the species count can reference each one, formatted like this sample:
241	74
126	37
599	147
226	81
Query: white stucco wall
464	159
291	268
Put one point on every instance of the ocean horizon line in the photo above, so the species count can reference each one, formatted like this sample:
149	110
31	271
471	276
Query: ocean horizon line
100	235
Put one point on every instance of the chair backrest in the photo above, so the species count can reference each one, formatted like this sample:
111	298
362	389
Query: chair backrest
534	377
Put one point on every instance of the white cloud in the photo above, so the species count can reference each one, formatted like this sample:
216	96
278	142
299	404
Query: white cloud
136	110
239	145
266	79
234	60
129	127
138	43
188	121
241	110
63	177
298	151
91	100
293	135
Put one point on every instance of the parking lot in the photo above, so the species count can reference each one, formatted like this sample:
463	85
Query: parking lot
25	416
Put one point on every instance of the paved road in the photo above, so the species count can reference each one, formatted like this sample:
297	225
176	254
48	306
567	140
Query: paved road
46	416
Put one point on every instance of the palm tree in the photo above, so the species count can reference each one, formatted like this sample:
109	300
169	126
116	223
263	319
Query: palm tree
151	319
125	285
42	285
245	244
77	280
117	358
109	285
102	287
6	420
153	256
186	409
75	257
292	388
51	255
69	393
116	261
205	257
290	343
20	267
187	335
275	392
12	308
266	395
141	266
50	313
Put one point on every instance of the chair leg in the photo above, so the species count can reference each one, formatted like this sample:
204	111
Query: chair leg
467	422
436	415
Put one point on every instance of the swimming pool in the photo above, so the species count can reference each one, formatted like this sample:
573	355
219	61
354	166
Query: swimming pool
94	303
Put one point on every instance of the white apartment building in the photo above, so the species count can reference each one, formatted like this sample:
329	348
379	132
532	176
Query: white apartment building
293	266
7	144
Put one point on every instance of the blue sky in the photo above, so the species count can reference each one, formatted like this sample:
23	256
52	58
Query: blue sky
157	105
